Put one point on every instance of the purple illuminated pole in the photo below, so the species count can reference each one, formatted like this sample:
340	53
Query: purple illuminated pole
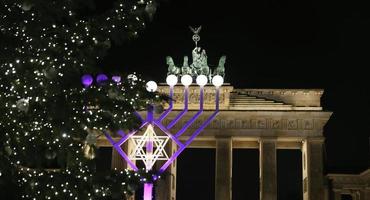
148	191
169	109
148	187
191	121
184	111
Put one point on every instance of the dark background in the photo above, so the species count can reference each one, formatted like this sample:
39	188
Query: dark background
272	44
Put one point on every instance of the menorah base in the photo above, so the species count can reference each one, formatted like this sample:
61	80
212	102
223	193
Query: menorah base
148	191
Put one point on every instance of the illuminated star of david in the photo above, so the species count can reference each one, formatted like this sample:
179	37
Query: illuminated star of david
149	147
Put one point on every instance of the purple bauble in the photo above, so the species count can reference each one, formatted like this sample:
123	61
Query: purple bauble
87	80
116	79
101	78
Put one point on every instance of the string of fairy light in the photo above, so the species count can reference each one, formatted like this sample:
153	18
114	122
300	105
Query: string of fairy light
44	105
93	117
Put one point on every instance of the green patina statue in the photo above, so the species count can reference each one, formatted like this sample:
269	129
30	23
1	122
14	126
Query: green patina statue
185	69
172	69
200	63
220	70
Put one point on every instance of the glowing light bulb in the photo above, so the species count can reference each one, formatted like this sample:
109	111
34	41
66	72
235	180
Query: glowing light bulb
201	80
171	80
186	80
151	86
217	80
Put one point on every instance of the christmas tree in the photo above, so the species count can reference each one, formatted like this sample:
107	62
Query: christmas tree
49	121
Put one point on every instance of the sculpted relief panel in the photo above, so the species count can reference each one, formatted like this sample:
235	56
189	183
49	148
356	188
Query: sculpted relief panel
209	96
258	123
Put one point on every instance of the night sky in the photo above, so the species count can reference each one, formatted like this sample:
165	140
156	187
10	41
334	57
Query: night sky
270	44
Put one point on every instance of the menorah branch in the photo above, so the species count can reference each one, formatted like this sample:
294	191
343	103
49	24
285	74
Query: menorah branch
192	120
184	111
169	109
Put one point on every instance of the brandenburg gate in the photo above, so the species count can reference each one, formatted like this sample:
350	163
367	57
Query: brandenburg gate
264	119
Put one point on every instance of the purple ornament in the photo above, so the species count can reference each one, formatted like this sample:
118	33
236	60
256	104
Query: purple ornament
116	79
87	80
101	78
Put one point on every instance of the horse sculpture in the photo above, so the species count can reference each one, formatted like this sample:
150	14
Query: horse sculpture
185	69
220	69
172	69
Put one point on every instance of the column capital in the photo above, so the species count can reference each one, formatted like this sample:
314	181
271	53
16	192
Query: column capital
314	139
337	194
267	139
223	137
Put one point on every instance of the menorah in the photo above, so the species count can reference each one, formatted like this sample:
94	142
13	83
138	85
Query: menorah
150	147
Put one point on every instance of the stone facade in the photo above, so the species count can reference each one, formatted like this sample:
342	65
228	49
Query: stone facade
355	185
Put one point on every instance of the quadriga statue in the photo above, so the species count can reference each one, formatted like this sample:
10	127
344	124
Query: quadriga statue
198	67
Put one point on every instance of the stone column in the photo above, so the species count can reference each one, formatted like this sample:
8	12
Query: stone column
223	168
166	186
312	164
355	195
326	191
337	195
268	173
365	194
117	161
173	174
